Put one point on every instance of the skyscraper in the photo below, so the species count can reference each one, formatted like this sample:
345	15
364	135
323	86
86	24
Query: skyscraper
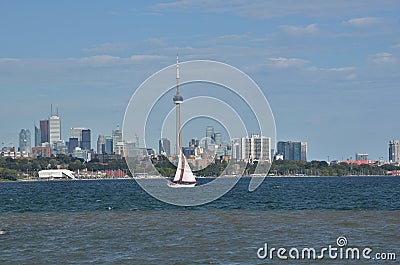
394	151
101	144
116	137
25	141
210	138
296	151
218	138
83	135
54	129
178	100
72	144
109	145
86	139
38	136
164	147
44	131
76	132
220	149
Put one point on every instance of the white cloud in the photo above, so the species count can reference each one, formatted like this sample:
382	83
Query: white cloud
108	60
232	37
362	22
154	41
146	57
281	62
228	39
181	4
106	48
8	60
300	31
351	76
397	46
333	69
100	60
261	9
382	57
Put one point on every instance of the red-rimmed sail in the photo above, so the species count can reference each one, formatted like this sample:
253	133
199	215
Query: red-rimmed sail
183	172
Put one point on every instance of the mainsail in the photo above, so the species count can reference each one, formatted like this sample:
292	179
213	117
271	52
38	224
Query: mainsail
183	172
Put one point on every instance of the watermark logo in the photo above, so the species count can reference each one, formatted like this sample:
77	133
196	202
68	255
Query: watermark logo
339	251
341	241
203	91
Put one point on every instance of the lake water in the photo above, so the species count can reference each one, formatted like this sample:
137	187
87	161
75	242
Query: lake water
116	222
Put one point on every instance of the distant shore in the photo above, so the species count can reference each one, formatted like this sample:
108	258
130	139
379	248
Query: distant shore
209	177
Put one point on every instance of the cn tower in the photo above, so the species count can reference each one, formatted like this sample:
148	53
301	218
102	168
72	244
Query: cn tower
178	99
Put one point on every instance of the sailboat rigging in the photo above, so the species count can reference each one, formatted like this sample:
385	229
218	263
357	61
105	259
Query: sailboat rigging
183	176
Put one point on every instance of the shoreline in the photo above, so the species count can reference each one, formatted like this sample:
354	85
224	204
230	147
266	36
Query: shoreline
209	177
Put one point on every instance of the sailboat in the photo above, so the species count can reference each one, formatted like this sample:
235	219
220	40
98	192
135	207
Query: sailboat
184	177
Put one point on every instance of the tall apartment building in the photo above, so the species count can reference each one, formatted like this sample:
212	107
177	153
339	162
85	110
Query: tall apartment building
394	151
164	147
255	148
25	141
236	148
296	151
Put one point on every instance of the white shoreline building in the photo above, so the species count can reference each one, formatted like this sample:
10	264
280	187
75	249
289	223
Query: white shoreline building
56	174
255	148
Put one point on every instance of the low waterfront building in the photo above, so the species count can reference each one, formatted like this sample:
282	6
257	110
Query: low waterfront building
56	174
10	152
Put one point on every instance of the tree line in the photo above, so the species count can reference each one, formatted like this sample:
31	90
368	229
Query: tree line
14	169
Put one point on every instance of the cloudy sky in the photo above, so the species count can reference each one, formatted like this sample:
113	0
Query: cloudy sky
330	69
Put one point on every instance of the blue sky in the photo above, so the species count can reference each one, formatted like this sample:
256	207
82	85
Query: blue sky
328	68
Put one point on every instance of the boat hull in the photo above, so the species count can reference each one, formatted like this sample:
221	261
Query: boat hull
180	185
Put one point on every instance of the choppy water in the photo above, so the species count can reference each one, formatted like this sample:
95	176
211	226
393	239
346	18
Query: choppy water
116	222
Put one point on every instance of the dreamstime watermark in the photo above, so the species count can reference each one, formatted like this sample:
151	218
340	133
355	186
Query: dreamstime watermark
339	251
210	90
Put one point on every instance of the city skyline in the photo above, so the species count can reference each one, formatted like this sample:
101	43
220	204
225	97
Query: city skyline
254	148
342	59
92	143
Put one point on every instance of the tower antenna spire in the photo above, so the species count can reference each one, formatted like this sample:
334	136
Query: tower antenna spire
177	75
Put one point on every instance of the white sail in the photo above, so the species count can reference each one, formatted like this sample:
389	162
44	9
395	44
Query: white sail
183	172
178	170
